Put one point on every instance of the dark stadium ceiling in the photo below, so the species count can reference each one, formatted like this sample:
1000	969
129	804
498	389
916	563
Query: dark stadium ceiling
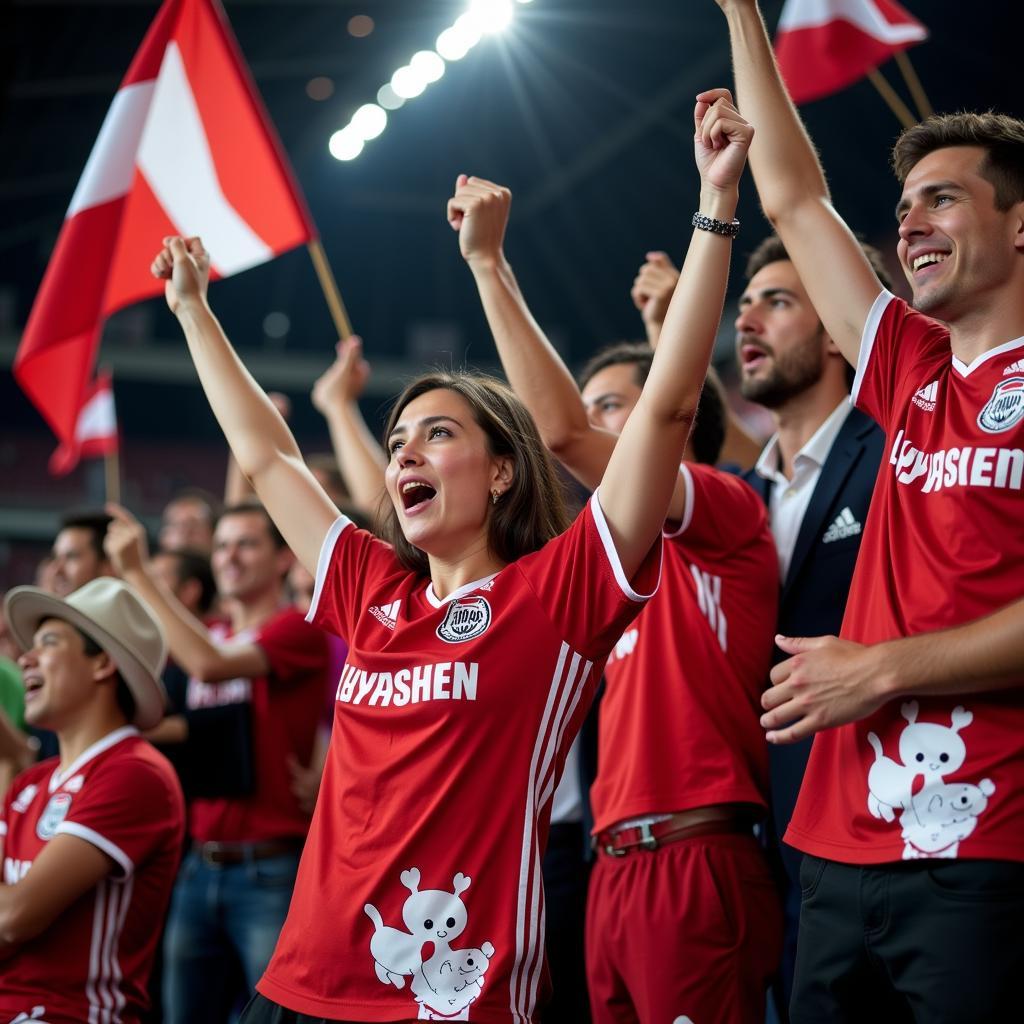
583	107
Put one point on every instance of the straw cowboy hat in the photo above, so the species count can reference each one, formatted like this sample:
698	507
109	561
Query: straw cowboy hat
112	614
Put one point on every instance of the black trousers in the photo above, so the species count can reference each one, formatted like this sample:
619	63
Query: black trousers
923	942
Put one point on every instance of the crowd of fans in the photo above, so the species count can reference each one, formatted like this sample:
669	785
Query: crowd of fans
408	681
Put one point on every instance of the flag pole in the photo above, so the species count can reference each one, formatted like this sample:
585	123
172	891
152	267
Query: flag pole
330	289
909	74
892	99
112	476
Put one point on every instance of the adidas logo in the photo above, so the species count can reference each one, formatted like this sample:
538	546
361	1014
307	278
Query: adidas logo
844	525
386	614
1017	367
926	397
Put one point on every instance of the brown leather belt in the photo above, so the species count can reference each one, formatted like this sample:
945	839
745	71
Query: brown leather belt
238	853
619	842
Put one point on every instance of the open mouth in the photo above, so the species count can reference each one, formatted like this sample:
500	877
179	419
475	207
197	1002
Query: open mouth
33	684
416	495
752	356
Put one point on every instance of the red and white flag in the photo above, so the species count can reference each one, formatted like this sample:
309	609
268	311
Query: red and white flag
186	149
823	46
95	430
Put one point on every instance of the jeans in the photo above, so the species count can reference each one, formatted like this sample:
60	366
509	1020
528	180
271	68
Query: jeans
221	932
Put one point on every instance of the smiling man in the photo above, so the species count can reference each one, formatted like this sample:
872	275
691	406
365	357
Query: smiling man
911	812
816	475
91	840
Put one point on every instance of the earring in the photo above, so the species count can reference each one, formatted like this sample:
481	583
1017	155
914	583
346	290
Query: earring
495	495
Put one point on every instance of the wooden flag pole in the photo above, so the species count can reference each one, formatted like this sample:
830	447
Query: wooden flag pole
892	99
330	289
112	476
924	106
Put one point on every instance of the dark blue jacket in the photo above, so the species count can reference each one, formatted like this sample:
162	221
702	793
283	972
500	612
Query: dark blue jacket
814	591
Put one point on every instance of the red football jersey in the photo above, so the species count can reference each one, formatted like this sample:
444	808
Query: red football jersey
93	963
286	708
679	721
419	892
943	546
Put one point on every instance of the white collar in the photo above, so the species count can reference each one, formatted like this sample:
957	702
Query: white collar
58	778
439	602
815	450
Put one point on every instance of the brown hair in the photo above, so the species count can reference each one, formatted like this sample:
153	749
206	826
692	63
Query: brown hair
771	250
532	510
1001	136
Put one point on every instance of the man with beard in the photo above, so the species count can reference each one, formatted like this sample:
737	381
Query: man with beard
816	475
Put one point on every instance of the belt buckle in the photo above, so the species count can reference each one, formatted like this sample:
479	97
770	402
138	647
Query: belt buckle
647	840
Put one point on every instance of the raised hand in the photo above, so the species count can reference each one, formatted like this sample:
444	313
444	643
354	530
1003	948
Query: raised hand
653	287
344	380
125	541
479	212
185	265
721	140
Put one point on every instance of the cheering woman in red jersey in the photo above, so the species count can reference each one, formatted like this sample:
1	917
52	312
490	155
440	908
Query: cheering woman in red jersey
476	634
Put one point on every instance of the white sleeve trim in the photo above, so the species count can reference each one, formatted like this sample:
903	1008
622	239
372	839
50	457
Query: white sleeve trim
114	852
613	555
684	523
867	340
324	561
3	828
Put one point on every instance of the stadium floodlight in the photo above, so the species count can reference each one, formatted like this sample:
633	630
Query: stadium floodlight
369	121
427	65
407	82
491	15
452	44
388	98
346	144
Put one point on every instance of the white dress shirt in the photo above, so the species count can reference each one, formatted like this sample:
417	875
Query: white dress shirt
789	498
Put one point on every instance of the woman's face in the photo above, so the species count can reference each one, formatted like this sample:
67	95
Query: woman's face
441	474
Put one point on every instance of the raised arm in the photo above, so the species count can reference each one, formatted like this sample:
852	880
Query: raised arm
258	436
479	212
187	638
361	460
643	470
792	188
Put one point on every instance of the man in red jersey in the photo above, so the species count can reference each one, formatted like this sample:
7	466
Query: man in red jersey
234	887
912	812
683	919
91	840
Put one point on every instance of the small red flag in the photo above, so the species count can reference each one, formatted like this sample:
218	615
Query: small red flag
95	431
823	46
186	149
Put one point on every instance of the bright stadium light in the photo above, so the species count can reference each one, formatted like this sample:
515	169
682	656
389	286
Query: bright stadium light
481	17
491	15
427	65
388	98
452	45
369	121
345	145
407	82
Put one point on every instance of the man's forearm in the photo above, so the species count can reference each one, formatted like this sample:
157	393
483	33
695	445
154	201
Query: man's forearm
360	458
782	158
187	638
983	655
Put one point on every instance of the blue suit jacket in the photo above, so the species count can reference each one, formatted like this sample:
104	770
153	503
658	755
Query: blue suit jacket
815	589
